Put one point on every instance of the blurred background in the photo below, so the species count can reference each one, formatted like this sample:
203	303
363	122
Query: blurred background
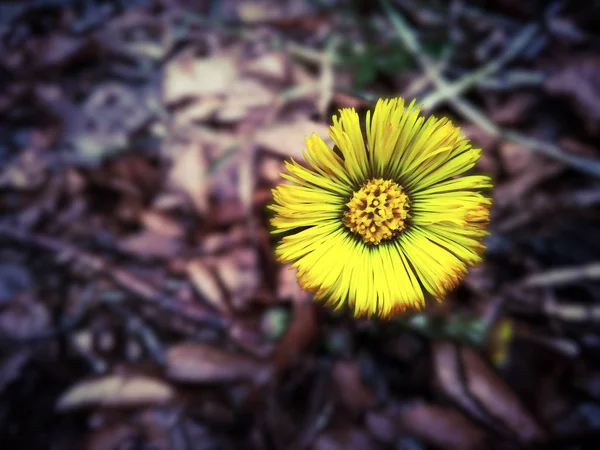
140	303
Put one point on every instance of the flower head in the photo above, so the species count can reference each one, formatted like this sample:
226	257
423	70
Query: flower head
377	225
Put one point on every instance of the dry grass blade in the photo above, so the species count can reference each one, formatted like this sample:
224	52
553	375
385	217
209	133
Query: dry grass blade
203	363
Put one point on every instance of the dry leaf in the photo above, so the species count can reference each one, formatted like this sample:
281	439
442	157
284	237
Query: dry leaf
201	109
243	96
203	280
351	390
241	282
224	242
579	80
122	391
189	172
382	426
239	272
288	138
24	317
302	331
288	287
515	158
257	11
512	111
474	385
346	439
513	191
498	398
270	168
271	67
203	363
148	244
188	76
447	369
11	365
439	426
113	437
161	223
230	274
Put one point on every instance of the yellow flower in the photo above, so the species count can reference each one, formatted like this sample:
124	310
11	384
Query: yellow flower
377	225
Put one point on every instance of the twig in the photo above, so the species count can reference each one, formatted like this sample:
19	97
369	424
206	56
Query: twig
410	41
471	79
572	312
512	79
421	82
563	276
121	277
308	55
588	165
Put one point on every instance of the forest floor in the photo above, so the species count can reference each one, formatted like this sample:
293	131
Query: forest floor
141	306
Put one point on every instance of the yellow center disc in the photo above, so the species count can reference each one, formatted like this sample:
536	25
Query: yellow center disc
378	211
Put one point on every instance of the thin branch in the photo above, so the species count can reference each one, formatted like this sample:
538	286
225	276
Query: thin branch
563	276
411	42
471	79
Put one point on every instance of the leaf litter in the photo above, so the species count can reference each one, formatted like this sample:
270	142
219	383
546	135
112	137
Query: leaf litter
140	302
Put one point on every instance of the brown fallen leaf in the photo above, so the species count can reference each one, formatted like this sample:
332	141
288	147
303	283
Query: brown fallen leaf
198	110
351	390
498	398
112	437
11	366
162	223
230	274
579	80
203	363
157	425
301	332
288	287
464	377
116	391
513	191
270	168
288	138
345	439
204	281
239	272
516	159
271	67
226	213
148	244
223	242
244	96
514	108
439	426
188	76
382	426
24	317
189	171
